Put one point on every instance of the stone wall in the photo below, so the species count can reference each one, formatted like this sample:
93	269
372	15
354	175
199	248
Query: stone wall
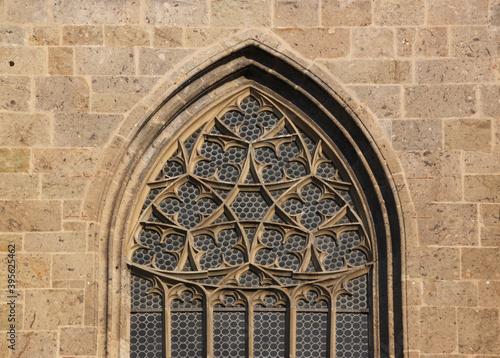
76	77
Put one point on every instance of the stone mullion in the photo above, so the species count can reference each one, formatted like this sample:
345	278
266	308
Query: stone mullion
209	328
250	329
331	329
292	328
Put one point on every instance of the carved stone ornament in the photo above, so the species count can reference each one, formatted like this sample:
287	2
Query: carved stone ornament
253	241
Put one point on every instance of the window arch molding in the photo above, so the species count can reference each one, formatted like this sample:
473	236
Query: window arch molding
253	62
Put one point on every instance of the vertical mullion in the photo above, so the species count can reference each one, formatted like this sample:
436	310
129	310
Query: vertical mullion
292	332
167	350
209	329
250	330
331	330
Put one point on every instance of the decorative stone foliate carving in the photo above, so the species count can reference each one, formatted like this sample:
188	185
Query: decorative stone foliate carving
253	230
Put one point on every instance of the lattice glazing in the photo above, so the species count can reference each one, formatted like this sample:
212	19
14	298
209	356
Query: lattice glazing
146	335
141	299
311	334
269	334
352	335
187	334
229	334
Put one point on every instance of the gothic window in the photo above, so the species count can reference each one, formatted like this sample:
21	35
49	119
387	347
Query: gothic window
253	241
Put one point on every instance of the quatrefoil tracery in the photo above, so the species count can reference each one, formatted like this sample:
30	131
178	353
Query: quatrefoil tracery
251	193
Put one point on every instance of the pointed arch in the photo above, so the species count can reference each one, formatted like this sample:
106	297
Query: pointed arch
254	62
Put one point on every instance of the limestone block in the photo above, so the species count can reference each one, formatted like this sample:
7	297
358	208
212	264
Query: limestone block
481	263
65	161
176	12
45	35
440	263
490	100
33	270
84	130
73	266
490	224
467	134
12	35
123	84
240	13
482	188
30	215
475	41
62	94
56	187
18	11
49	308
346	12
438	101
372	42
37	344
457	12
417	134
438	327
114	102
124	36
454	71
375	71
296	13
495	13
24	130
166	36
478	331
201	37
482	162
55	242
383	101
422	41
82	35
105	61
19	186
23	60
450	293
399	12
96	13
78	341
160	61
14	160
489	293
61	60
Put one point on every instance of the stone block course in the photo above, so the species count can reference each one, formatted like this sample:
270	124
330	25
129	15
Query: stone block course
240	13
482	188
82	35
450	293
457	12
346	13
23	60
18	11
467	134
489	221
15	160
62	94
45	35
55	242
481	263
104	61
478	331
298	13
12	35
61	61
30	215
417	134
372	42
409	12
422	41
154	62
125	36
379	71
96	13
19	186
78	341
469	70
24	130
384	101
438	327
176	12
167	36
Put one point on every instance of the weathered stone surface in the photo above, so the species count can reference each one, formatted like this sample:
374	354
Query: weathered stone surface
72	267
438	329
55	242
23	130
82	35
36	344
240	13
23	60
317	43
41	315
19	186
399	12
176	12
489	220
30	215
478	331
296	13
457	12
167	36
84	130
160	61
422	41
65	161
383	101
105	61
372	42
489	293
123	84
450	293
20	12
490	100
440	263
97	12
495	13
61	61
33	270
417	134
12	35
14	160
439	101
114	102
346	12
62	94
481	263
78	341
201	37
476	41
370	71
45	35
447	224
56	187
5	310
124	36
454	70
467	134
482	188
